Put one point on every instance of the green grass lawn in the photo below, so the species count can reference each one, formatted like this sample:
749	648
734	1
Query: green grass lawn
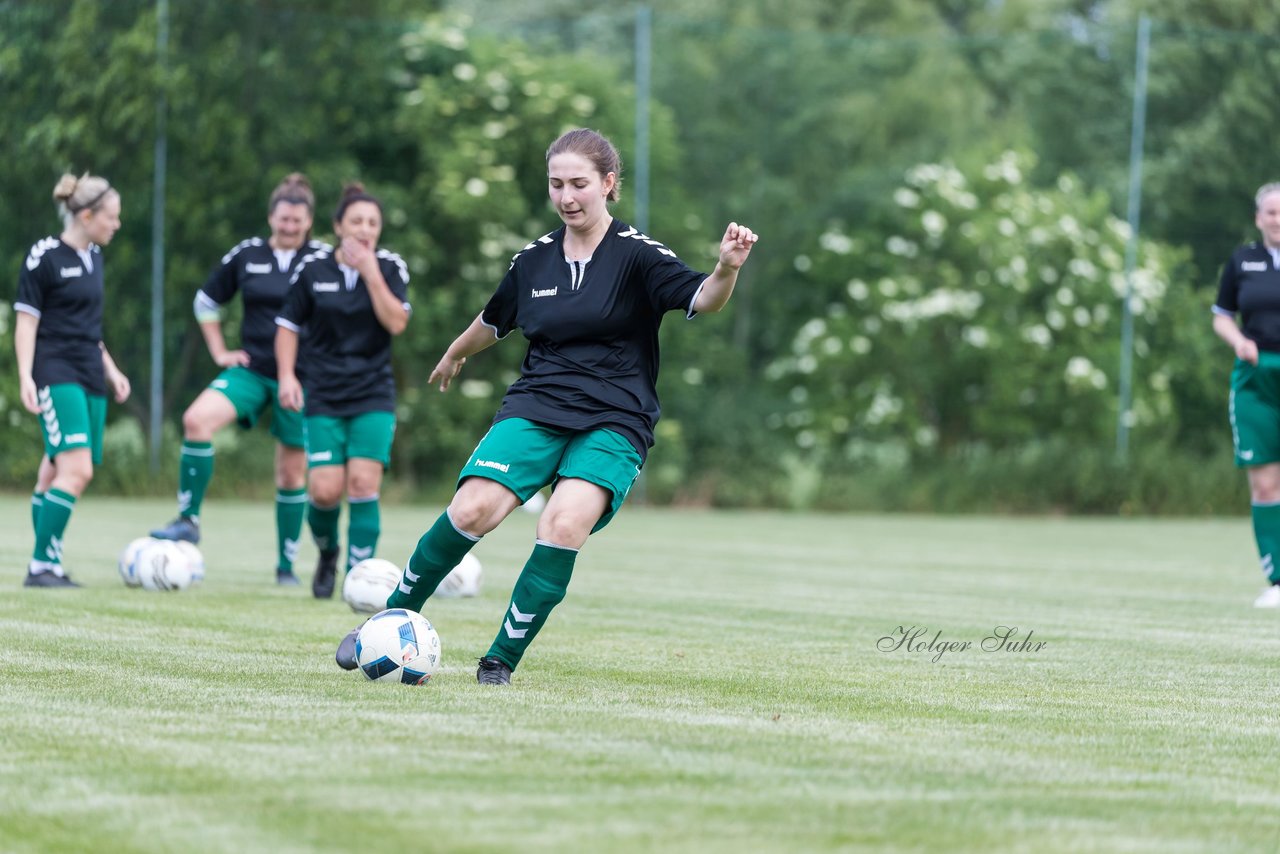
713	682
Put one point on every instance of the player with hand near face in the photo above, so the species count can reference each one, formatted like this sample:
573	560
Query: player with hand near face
343	309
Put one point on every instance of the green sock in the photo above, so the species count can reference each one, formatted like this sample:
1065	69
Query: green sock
37	502
54	515
438	552
364	524
291	507
540	587
1266	530
194	474
323	522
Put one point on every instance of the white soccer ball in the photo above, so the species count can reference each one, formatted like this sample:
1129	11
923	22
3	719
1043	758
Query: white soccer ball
128	562
398	645
463	580
194	559
161	565
368	585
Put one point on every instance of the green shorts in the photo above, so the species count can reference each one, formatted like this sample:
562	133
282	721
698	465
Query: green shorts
331	441
1255	410
251	394
72	418
525	456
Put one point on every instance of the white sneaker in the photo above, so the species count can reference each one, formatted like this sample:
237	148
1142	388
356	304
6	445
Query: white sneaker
1269	598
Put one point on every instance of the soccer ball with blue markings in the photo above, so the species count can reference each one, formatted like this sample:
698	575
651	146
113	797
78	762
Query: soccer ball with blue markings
398	645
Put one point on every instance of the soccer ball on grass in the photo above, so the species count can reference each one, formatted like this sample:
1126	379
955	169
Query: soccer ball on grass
162	565
368	585
398	645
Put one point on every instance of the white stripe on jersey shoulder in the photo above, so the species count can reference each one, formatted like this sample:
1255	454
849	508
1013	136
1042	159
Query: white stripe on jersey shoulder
318	246
634	234
38	249
243	244
545	239
395	259
318	255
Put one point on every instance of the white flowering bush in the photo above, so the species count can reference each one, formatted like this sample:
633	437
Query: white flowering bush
979	311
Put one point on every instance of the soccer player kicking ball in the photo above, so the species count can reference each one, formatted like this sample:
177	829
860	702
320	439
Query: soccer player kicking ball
589	297
64	370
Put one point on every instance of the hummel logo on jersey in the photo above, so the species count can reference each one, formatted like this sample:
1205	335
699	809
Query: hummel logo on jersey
71	272
545	292
74	438
325	287
490	464
1253	266
257	269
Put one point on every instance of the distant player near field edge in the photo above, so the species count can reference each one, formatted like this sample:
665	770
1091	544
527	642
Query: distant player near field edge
258	270
589	297
64	369
1250	287
351	302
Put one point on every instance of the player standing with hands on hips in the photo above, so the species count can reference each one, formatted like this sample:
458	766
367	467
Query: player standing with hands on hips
351	302
1250	287
589	297
259	271
64	370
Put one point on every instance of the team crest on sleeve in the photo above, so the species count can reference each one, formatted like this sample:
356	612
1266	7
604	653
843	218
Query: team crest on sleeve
38	250
634	234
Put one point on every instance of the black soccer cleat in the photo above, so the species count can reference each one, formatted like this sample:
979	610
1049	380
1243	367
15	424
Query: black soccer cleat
492	671
324	579
286	578
346	654
47	578
183	528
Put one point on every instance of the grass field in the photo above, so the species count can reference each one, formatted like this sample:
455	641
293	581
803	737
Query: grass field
714	682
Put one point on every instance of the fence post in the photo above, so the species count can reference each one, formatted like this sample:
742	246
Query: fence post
1131	246
157	236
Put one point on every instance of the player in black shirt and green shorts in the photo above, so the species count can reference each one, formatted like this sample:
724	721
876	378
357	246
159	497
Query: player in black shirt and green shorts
351	302
64	370
589	298
259	271
1250	287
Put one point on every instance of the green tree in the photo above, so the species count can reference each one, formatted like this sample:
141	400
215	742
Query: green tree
980	310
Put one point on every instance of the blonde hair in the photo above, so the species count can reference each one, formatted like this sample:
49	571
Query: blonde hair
1264	191
79	194
596	147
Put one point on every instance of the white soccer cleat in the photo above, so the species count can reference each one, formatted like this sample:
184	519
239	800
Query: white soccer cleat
1269	598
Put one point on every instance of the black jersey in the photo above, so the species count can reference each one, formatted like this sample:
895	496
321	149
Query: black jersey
1250	285
63	288
253	269
346	351
592	328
